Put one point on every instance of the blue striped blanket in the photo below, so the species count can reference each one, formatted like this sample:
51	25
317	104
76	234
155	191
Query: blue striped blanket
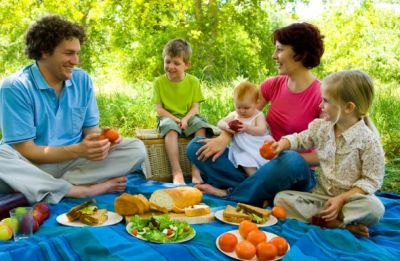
56	242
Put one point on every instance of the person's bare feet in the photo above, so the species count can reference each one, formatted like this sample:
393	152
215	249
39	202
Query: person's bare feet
117	184
196	178
177	179
359	229
209	189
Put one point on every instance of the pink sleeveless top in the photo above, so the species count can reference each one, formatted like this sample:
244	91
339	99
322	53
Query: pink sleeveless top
290	112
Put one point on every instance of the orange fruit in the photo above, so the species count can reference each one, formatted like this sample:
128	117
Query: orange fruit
245	227
279	212
256	236
227	242
245	250
281	245
111	135
266	251
267	151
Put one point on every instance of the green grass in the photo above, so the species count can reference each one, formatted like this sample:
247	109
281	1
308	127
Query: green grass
129	107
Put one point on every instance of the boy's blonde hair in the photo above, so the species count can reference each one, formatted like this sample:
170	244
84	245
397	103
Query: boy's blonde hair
178	48
352	86
246	89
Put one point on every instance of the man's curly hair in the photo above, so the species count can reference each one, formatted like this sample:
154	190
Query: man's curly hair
48	32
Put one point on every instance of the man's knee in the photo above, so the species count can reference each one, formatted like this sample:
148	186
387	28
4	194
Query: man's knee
137	149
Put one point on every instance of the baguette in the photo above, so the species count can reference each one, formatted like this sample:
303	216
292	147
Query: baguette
176	198
158	208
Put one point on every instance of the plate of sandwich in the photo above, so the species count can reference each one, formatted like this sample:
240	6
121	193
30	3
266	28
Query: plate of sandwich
234	215
87	214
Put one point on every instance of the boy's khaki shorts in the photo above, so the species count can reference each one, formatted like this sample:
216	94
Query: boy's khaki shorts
165	124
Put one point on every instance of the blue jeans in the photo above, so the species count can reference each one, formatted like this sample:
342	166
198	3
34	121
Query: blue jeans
289	171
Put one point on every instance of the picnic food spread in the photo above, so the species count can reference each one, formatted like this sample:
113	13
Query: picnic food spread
87	214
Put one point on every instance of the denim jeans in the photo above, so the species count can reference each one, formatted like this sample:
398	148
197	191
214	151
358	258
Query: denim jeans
289	171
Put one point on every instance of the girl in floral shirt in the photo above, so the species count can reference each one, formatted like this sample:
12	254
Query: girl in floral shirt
350	154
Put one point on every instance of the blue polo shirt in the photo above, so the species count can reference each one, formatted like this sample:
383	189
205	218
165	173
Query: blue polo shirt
30	109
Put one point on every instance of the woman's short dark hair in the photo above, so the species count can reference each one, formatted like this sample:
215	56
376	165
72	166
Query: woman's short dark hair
48	32
306	41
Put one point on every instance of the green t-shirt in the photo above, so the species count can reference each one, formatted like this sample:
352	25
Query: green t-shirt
177	97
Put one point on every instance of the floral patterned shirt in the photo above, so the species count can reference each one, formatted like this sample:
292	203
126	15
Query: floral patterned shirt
353	159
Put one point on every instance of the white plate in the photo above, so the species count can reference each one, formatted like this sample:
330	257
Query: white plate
240	238
271	221
113	218
173	242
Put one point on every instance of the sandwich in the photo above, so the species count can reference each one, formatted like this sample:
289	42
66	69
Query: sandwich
88	214
231	214
258	215
245	212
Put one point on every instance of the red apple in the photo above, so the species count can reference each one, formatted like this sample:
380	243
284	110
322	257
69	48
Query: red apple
235	125
39	216
43	208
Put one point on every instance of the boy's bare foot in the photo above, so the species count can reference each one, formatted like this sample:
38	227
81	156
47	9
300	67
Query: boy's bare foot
359	229
196	179
178	179
117	184
209	189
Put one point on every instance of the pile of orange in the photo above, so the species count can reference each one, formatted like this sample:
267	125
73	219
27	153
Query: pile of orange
255	243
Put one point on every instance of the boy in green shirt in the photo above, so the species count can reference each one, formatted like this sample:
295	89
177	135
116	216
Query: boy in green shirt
177	96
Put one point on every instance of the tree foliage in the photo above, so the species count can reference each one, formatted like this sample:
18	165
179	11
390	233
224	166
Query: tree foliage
229	38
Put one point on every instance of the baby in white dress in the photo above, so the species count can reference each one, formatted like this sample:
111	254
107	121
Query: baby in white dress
251	133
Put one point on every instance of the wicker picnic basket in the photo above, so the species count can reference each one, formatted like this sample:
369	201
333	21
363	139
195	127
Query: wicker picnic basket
156	165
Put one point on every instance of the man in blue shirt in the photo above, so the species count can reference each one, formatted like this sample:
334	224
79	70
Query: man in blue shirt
49	121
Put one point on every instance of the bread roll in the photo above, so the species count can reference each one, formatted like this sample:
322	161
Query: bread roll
176	198
125	205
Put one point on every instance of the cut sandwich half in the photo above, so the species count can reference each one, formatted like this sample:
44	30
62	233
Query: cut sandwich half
258	215
88	214
74	213
96	217
231	214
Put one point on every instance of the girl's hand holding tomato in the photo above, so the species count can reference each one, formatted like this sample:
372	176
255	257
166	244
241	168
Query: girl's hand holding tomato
269	149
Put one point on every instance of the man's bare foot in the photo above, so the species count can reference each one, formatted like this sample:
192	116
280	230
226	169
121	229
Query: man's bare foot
178	179
209	189
117	184
359	229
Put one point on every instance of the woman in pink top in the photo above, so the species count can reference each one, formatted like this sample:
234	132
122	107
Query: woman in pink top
295	97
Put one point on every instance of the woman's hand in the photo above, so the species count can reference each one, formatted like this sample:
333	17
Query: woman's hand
213	147
332	208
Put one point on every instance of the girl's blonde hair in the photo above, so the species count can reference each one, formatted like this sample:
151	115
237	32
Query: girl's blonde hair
246	89
352	86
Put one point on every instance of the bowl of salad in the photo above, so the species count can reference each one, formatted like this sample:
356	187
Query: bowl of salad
160	229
